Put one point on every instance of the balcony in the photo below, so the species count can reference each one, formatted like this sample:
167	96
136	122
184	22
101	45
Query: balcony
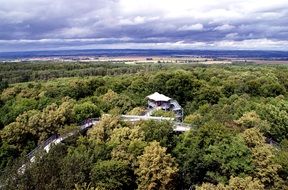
163	105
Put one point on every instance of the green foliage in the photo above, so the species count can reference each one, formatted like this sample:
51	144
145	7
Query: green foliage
234	110
159	131
3	84
127	144
85	110
137	111
275	112
77	164
112	100
7	154
85	186
266	169
281	159
157	170
112	174
252	119
42	174
193	119
163	113
211	154
101	132
235	183
231	155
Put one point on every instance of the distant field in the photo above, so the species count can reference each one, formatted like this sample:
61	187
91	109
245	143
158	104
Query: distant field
269	62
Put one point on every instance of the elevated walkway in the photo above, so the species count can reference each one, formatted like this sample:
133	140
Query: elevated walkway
56	139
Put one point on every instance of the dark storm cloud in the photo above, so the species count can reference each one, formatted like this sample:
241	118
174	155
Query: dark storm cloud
47	24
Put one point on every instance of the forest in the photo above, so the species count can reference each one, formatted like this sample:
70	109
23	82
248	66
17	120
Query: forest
238	115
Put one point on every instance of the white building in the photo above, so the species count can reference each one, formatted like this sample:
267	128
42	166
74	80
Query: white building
160	101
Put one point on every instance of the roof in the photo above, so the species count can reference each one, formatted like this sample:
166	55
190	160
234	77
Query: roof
176	105
158	97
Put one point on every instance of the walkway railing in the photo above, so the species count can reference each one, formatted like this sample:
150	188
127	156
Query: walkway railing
82	126
136	117
179	127
42	145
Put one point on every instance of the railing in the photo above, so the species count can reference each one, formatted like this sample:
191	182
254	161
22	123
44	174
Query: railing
90	122
182	124
42	145
136	117
82	126
273	143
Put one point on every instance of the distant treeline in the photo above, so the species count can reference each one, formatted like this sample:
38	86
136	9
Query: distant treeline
33	71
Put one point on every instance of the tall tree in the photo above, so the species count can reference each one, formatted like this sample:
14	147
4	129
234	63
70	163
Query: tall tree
157	169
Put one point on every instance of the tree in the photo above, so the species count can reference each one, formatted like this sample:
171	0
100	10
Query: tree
101	131
281	158
209	94
112	174
275	112
253	137
252	119
137	111
76	166
52	118
85	186
112	100
157	170
43	173
193	119
127	144
266	169
85	110
160	131
163	113
235	183
212	153
7	154
20	132
3	84
231	155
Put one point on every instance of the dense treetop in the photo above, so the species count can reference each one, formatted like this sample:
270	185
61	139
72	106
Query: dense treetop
238	115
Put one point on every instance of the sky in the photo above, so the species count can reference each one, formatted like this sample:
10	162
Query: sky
143	24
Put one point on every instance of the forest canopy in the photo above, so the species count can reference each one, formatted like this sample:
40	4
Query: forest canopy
238	116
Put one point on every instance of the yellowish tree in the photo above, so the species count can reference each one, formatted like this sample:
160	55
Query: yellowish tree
253	137
137	111
266	169
157	169
127	143
101	131
235	183
252	119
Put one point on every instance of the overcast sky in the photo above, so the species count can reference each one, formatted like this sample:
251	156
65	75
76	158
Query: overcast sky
157	24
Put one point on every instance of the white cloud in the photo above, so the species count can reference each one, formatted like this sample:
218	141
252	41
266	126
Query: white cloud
193	27
231	35
136	20
124	43
254	44
73	32
150	20
224	27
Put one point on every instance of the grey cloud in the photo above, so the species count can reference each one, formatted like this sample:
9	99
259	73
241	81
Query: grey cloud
108	22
